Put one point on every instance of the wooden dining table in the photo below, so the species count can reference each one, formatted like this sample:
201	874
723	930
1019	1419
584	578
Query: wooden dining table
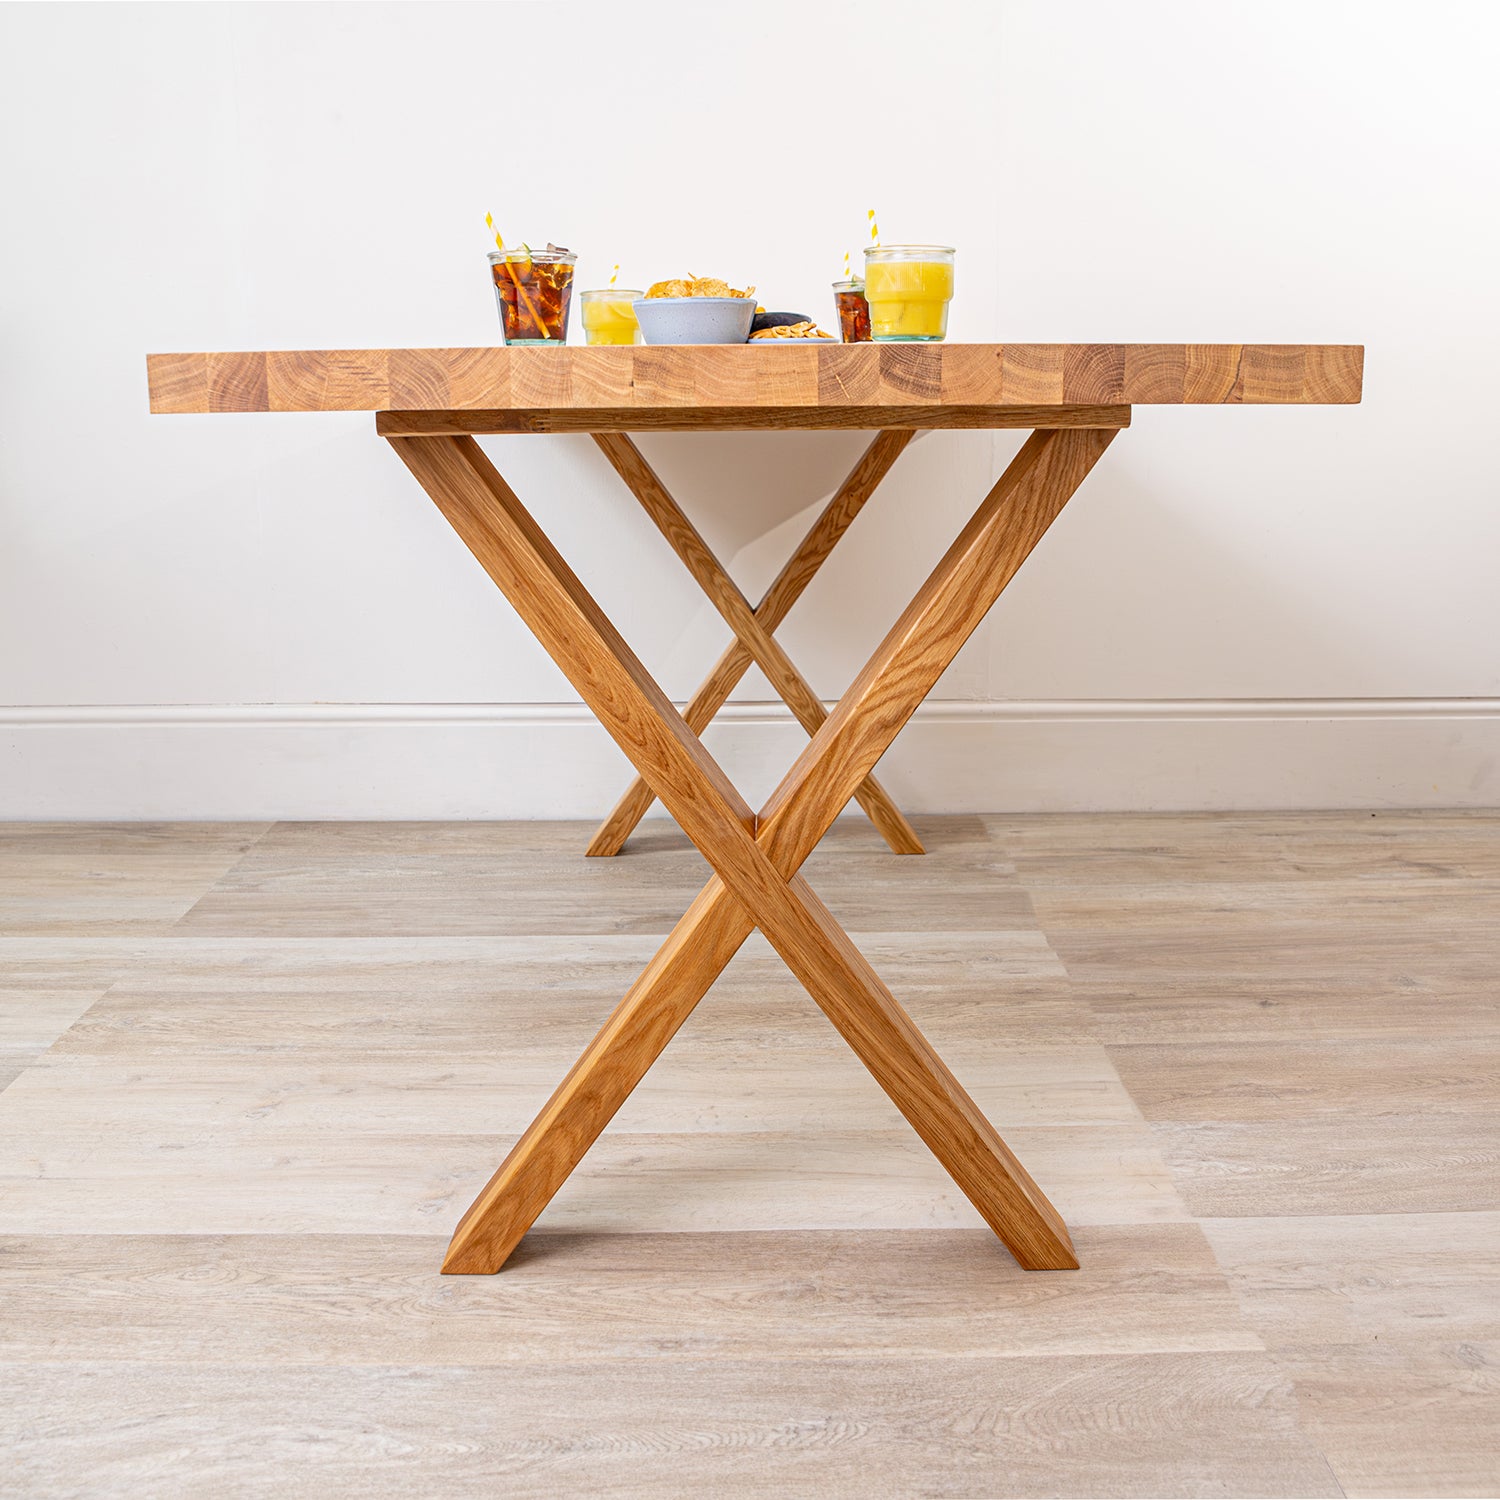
432	404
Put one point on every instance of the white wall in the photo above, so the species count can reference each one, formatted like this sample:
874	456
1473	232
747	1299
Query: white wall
1243	607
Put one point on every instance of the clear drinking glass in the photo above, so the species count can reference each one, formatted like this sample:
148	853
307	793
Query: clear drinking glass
609	317
854	311
533	290
909	288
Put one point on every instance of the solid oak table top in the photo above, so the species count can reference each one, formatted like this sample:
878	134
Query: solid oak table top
834	385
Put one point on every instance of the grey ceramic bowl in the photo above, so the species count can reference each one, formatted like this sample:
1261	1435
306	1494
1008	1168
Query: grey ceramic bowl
695	320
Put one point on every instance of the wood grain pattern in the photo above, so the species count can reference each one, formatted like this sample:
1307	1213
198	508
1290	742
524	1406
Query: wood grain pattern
724	594
799	570
695	1089
809	1294
907	416
1444	1163
987	553
1283	1078
223	1187
238	382
1158	1425
950	384
1363	1279
519	558
346	1179
508	544
1403	1419
40	864
32	1020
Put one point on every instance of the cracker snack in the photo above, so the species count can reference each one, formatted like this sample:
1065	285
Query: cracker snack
808	330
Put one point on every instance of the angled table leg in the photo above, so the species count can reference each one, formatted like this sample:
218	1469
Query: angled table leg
810	555
755	881
725	596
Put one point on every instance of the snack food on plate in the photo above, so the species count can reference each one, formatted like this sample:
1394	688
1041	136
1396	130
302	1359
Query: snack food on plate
775	319
807	330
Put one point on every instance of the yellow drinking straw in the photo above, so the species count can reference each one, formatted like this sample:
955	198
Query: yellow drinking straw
846	265
510	270
613	275
874	228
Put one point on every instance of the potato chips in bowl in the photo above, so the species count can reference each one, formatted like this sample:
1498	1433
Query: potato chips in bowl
695	310
696	286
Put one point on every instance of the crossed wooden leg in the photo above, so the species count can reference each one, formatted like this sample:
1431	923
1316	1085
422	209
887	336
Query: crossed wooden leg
756	859
753	627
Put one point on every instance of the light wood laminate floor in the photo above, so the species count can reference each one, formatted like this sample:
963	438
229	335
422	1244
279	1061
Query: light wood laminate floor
250	1076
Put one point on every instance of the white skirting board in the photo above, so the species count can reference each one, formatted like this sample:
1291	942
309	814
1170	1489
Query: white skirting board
427	761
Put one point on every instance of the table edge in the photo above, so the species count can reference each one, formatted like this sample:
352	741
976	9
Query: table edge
844	378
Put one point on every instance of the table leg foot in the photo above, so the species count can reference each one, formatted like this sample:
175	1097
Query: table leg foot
697	950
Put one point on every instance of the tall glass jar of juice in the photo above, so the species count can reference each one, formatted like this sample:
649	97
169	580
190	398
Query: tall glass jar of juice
908	288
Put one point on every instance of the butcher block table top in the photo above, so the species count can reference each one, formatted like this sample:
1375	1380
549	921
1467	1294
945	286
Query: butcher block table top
742	386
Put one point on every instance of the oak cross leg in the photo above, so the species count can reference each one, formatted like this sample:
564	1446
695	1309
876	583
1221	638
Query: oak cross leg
754	882
799	570
724	594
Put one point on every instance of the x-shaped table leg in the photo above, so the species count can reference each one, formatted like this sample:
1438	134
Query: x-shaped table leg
811	553
756	859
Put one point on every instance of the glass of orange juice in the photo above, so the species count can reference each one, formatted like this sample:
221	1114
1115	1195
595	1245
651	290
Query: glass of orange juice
608	317
908	288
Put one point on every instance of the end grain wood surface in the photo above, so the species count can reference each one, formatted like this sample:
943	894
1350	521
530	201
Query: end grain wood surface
845	384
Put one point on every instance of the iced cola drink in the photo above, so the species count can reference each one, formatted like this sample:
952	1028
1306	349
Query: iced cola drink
533	290
854	311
